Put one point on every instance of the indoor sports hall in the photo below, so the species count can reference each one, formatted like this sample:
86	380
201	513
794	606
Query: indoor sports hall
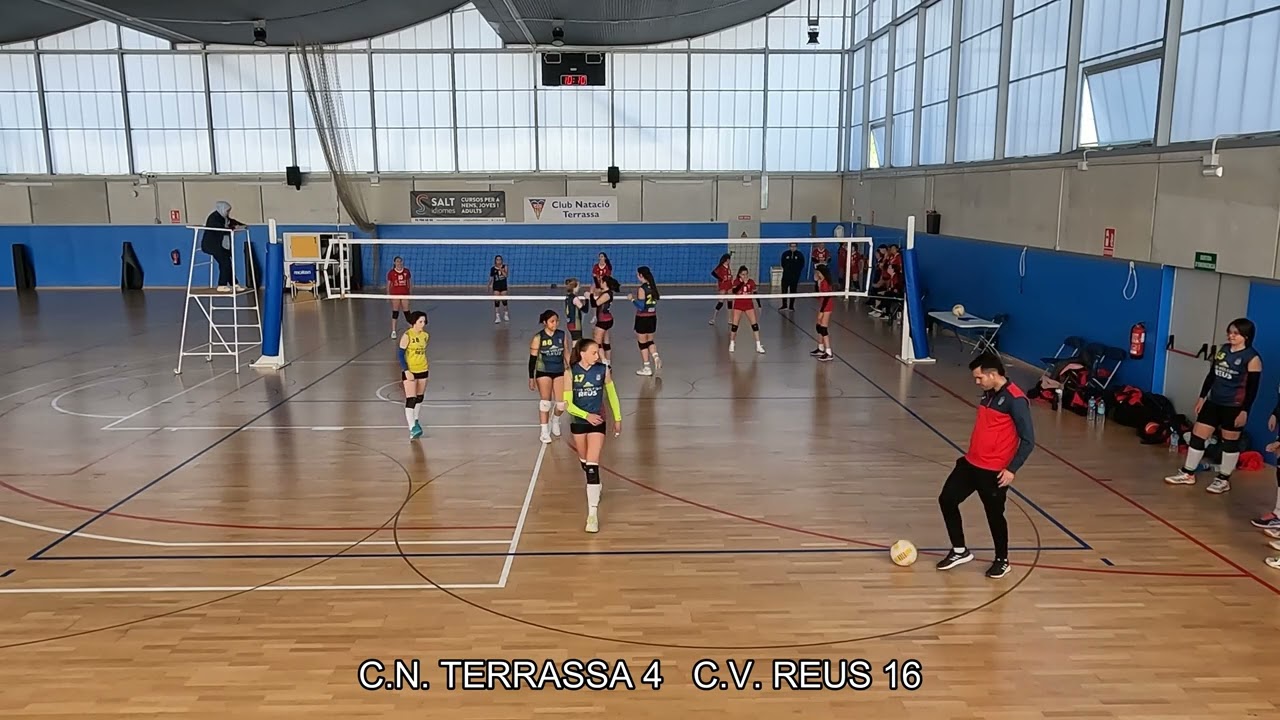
519	359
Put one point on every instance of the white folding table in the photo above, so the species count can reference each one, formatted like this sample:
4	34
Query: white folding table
983	330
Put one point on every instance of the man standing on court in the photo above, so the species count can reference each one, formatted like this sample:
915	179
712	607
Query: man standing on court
1002	440
792	268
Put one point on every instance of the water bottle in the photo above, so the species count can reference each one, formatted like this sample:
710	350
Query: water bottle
1173	442
1102	411
1093	406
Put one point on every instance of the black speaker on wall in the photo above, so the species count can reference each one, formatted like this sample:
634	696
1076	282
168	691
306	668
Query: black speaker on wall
932	222
24	271
131	276
615	175
293	176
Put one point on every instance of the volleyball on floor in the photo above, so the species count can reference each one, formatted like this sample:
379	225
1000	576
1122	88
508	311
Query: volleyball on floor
902	553
958	310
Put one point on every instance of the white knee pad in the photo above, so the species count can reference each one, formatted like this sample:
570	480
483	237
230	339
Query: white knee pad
544	406
560	406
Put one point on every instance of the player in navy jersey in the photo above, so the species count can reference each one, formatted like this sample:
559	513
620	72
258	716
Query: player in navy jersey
605	287
498	284
573	305
587	382
1225	398
547	352
646	303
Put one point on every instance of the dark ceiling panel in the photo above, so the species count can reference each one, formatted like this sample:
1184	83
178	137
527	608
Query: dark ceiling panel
621	22
30	19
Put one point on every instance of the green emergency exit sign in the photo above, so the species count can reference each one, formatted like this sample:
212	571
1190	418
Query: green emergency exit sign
1206	261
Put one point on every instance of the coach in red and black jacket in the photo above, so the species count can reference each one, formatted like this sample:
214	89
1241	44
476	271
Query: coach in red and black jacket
1003	438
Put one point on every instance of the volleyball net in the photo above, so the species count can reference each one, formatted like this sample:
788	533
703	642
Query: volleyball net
538	269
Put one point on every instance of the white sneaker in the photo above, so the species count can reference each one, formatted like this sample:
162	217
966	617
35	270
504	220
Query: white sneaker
506	317
593	523
1271	532
646	371
732	344
1275	544
657	362
1218	486
712	321
545	436
555	425
1181	478
224	288
1274	562
497	319
760	348
240	288
393	333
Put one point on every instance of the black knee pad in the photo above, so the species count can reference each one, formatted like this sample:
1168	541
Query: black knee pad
1231	446
497	304
409	402
395	314
646	345
822	330
755	327
418	399
733	327
606	347
1196	442
593	474
504	303
640	345
719	306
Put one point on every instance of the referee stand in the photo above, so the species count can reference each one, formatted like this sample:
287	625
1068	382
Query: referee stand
233	317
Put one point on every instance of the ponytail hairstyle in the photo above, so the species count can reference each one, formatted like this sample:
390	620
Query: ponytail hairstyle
571	286
608	283
725	258
647	274
575	355
822	270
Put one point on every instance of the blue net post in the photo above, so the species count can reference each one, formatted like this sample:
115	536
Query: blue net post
273	303
915	329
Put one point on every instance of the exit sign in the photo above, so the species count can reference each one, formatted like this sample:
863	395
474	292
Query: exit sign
1206	261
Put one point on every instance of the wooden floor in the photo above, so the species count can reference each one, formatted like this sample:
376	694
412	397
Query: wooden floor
219	545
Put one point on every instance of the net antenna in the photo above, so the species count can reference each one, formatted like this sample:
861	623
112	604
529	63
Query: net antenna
322	78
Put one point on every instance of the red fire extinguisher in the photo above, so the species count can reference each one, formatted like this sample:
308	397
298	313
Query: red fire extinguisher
1137	341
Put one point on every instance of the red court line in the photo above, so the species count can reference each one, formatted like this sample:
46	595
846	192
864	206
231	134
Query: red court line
828	536
1101	483
233	526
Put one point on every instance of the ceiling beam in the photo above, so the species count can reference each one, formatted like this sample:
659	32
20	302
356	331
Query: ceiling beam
519	20
98	12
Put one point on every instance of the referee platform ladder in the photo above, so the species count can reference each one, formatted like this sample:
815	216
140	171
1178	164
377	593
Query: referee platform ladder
232	315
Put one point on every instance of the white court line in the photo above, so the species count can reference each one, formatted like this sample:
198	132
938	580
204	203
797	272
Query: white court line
256	543
171	397
236	588
318	428
54	402
51	382
383	396
524	511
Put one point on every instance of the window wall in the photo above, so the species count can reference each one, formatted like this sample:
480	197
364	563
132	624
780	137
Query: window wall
890	83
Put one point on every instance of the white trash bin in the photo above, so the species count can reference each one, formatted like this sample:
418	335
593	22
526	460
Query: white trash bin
775	278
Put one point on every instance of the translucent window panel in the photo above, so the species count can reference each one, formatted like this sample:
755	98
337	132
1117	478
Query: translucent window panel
903	128
1119	106
725	149
903	6
877	99
28	45
880	58
859	67
651	111
167	114
574	129
1035	115
937	26
1199	13
933	134
937	78
748	36
857	101
979	16
1022	7
976	126
250	102
413	109
804	71
495	150
99	35
904	89
881	14
471	30
131	39
85	114
1110	26
803	150
650	71
980	62
727	72
650	149
1227	79
876	151
1040	40
495	71
860	25
351	110
430	35
905	42
21	137
728	108
857	142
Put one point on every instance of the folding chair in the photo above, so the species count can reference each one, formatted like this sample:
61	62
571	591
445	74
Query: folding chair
1070	347
1106	363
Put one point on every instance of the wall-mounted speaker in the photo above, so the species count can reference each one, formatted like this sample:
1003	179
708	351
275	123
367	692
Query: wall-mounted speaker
293	176
615	175
933	222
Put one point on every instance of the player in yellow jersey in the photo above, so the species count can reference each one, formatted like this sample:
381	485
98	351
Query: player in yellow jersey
413	369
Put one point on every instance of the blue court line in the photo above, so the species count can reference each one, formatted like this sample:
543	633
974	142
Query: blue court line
1083	545
108	510
540	553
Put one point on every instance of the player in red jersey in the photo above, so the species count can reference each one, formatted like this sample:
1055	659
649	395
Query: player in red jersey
724	284
743	288
820	256
602	268
825	305
398	284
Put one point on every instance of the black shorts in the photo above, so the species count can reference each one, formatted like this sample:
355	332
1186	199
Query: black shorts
646	324
582	427
1218	416
540	374
417	375
500	286
605	324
